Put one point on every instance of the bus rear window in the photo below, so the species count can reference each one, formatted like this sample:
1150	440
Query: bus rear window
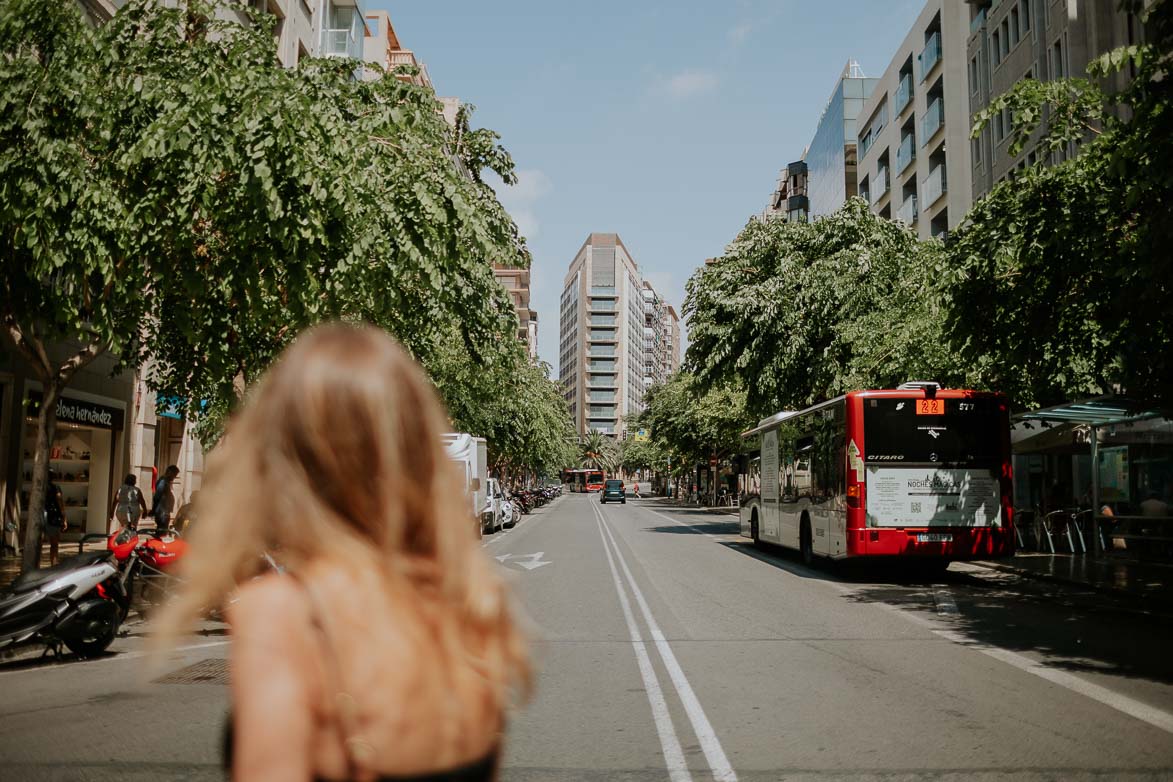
967	432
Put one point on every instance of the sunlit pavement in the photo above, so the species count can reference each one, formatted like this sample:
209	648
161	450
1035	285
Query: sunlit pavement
669	648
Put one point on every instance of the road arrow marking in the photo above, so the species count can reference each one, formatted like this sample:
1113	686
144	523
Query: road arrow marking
503	557
535	561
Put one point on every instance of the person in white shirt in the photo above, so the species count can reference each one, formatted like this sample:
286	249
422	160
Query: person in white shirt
128	506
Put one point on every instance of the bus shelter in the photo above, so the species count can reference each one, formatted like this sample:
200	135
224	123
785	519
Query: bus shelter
1108	455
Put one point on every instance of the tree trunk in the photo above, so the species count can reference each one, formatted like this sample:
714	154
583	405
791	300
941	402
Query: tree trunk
34	526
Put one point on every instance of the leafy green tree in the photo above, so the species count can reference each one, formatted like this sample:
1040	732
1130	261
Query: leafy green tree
167	190
691	424
635	455
1060	282
798	312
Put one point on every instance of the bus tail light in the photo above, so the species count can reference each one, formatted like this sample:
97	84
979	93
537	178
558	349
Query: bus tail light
855	495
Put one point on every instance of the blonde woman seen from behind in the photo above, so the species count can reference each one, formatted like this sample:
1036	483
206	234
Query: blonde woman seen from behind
389	649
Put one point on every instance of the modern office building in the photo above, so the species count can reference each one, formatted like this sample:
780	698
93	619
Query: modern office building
1011	40
789	201
831	157
616	335
914	129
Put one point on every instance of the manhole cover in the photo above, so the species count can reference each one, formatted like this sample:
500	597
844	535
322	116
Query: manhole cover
214	670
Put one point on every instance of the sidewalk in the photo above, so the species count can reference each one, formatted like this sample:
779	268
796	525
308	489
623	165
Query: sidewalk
1113	574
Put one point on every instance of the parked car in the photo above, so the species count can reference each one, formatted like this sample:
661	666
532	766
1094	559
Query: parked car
613	490
491	514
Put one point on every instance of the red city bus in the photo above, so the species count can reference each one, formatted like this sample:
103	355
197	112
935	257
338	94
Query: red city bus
578	479
917	471
594	480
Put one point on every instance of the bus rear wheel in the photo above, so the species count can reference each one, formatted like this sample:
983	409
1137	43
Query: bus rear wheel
805	543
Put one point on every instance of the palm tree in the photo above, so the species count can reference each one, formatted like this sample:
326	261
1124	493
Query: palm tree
599	451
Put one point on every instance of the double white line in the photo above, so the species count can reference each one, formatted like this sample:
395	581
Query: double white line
706	736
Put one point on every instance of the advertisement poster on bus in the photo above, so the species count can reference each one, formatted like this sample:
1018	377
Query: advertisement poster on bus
927	496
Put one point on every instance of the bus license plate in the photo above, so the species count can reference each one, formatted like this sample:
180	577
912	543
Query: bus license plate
934	537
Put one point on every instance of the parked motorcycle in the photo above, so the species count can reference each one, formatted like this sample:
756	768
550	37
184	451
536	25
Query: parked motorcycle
149	556
79	602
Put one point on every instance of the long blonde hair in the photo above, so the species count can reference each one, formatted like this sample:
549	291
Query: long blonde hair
337	456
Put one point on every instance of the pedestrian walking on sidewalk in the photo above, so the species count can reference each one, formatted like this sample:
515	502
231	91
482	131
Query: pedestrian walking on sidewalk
389	648
55	522
163	502
128	506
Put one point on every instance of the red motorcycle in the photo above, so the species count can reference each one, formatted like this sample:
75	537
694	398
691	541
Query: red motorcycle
148	555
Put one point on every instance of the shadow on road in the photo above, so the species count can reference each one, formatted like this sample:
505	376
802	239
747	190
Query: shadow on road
1069	628
705	527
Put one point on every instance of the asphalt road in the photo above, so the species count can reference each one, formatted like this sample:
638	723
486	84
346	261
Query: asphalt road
670	648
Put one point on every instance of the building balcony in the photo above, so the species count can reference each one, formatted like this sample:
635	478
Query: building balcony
905	153
933	120
930	55
903	93
935	185
978	22
339	43
907	213
880	185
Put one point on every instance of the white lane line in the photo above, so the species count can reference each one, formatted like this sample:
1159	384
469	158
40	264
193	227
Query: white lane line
669	743
1158	718
706	736
695	529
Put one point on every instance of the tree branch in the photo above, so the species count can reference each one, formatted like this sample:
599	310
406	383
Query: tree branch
29	347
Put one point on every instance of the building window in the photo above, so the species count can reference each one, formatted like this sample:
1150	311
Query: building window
976	145
1025	4
995	48
1005	39
973	75
1013	27
1058	67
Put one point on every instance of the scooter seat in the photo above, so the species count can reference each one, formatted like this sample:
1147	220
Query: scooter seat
32	580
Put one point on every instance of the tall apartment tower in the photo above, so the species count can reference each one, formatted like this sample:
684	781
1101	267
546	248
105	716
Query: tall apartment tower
914	130
1011	40
602	323
831	157
661	337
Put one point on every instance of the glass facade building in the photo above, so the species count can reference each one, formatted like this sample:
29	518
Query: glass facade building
831	158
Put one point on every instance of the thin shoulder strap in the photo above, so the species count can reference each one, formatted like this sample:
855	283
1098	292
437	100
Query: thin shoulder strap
345	706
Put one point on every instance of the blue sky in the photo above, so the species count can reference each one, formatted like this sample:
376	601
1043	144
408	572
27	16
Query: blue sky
664	121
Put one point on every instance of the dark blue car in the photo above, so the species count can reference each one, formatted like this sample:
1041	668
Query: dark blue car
613	490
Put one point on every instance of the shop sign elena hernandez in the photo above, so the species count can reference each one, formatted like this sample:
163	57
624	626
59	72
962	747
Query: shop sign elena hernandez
78	411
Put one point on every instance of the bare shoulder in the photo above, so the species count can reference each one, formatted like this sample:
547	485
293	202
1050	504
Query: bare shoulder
270	604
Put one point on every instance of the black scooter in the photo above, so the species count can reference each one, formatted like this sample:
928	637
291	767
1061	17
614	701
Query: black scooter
79	602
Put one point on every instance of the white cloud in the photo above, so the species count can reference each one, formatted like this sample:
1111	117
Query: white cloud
739	33
521	199
689	82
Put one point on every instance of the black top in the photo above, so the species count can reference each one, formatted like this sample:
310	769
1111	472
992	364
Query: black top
483	770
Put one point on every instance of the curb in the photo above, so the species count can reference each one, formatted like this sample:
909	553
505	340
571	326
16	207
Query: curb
1104	589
